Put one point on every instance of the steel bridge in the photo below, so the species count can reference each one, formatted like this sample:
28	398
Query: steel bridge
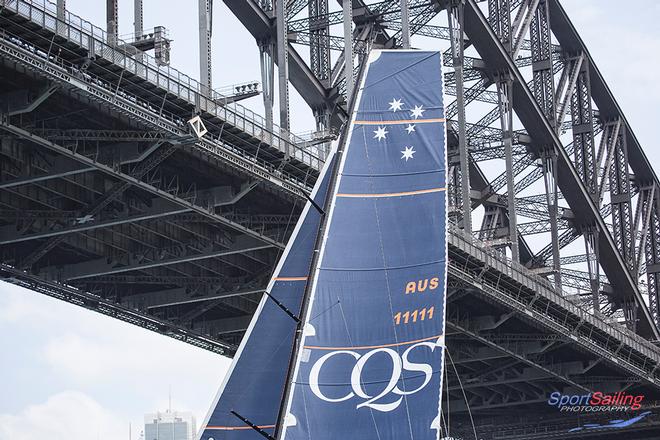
130	188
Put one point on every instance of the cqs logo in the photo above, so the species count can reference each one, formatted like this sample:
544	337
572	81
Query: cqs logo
400	363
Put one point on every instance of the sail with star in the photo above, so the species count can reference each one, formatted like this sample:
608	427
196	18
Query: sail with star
367	359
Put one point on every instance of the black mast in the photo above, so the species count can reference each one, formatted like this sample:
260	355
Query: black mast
316	255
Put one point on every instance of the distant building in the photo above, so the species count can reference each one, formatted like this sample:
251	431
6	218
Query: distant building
169	425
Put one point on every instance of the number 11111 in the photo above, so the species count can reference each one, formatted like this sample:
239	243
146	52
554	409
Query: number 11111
414	316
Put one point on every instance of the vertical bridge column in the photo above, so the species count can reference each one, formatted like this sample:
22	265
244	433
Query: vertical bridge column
61	16
591	248
61	8
267	63
455	15
319	47
583	130
549	159
138	28
319	57
323	125
348	49
505	96
405	25
112	14
499	17
579	88
620	198
205	12
543	78
283	71
622	220
138	18
653	258
544	93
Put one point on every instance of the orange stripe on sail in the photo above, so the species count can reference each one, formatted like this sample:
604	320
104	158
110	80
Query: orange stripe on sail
369	347
290	278
238	428
401	121
399	194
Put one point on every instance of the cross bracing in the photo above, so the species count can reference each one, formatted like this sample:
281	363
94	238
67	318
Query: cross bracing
532	117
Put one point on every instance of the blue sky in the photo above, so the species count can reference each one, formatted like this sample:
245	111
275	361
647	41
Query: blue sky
69	373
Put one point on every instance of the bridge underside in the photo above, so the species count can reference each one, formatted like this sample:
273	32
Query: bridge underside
78	217
108	201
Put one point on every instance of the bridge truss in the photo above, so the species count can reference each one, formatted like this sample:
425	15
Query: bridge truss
109	201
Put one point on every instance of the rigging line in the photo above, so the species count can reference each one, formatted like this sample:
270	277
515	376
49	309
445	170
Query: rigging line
323	312
447	385
304	399
252	425
350	340
442	414
444	423
282	306
385	272
467	404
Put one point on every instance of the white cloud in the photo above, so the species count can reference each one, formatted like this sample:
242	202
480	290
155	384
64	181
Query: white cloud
126	351
69	415
125	369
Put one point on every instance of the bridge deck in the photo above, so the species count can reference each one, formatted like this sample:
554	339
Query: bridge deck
167	96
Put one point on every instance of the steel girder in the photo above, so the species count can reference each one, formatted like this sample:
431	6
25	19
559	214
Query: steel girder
132	180
101	202
630	150
319	51
481	274
103	267
261	26
576	193
109	308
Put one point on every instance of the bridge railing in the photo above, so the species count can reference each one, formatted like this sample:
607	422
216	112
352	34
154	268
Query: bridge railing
541	285
96	41
60	71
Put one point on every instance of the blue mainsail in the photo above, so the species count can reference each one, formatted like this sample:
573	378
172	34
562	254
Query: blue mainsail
370	360
254	386
368	363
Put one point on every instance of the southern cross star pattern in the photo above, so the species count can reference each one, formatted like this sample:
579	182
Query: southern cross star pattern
416	112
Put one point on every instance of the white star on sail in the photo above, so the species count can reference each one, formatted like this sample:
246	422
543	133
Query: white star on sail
410	128
380	133
407	153
417	111
395	104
